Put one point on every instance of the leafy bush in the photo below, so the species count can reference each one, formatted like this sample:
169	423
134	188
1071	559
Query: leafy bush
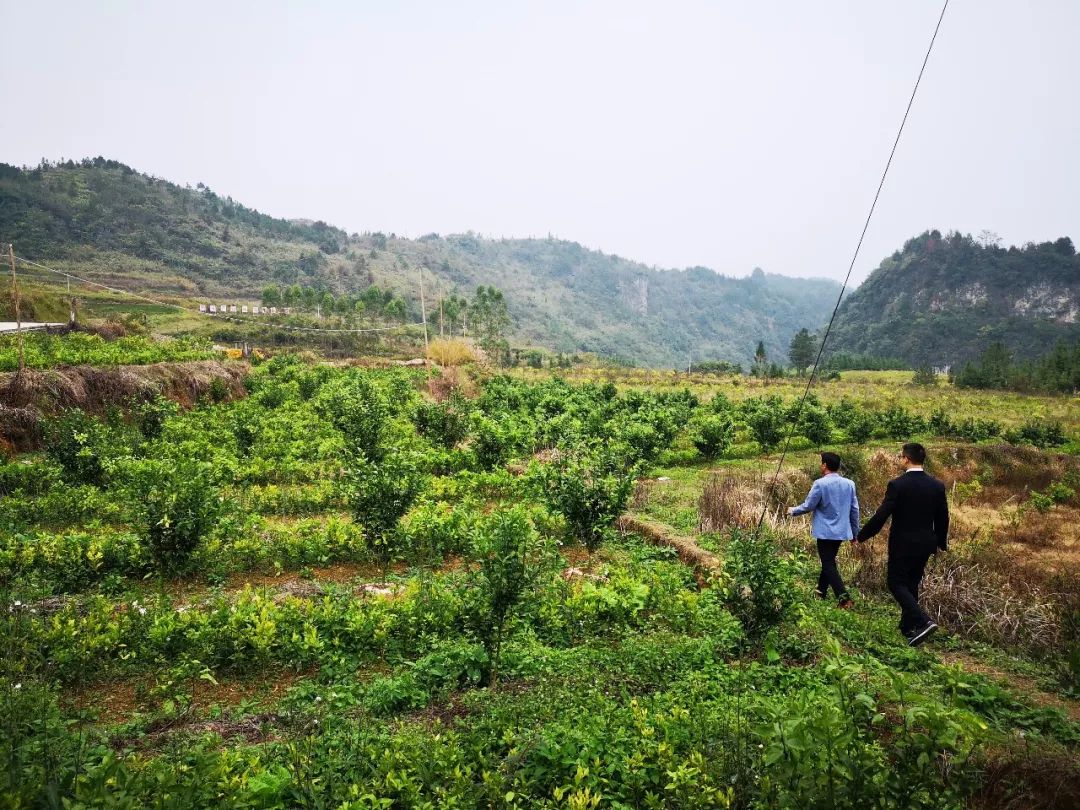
940	423
359	410
181	504
899	423
924	375
505	549
757	585
445	423
590	490
435	529
815	424
493	441
150	416
379	493
712	435
81	445
1038	432
977	430
766	420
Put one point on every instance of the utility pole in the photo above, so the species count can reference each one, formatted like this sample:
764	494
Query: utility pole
423	309
440	317
18	309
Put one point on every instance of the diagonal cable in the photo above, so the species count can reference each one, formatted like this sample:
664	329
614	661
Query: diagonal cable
866	225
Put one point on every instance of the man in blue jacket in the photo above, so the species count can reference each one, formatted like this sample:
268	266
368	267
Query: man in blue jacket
835	505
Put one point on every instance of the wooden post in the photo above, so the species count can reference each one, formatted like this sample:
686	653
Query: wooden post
18	308
440	317
423	309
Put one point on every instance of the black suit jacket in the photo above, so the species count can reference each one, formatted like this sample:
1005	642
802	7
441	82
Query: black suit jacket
919	510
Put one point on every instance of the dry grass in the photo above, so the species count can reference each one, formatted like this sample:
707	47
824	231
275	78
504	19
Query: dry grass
1025	777
642	494
734	501
450	352
26	398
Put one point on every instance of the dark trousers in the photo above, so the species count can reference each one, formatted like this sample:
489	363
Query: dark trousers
830	574
907	562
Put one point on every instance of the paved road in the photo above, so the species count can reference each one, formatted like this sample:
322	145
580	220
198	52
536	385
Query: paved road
11	326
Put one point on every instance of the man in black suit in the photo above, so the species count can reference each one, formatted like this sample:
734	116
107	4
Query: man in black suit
920	526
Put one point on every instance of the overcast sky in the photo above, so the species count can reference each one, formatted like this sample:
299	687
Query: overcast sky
724	134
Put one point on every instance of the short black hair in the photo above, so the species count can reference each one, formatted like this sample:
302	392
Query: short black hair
914	452
831	461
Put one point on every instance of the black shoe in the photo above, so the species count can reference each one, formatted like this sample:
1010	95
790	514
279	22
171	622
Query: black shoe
922	634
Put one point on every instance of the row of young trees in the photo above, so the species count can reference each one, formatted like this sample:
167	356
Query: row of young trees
486	316
1057	372
372	302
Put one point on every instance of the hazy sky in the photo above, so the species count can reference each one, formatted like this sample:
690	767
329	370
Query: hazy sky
725	134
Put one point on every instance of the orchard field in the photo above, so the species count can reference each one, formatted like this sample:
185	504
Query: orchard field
383	588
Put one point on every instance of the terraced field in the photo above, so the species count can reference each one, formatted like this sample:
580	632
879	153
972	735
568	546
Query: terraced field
341	590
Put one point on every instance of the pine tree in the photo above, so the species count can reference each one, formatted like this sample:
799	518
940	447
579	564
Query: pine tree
761	360
802	349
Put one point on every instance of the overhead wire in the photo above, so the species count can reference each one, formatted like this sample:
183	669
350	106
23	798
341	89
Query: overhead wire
793	422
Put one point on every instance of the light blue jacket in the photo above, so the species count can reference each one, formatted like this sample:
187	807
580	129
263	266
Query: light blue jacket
835	506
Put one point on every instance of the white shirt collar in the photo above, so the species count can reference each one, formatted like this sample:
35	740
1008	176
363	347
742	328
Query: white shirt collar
913	469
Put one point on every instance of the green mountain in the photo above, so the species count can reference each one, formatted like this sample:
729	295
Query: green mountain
104	219
943	299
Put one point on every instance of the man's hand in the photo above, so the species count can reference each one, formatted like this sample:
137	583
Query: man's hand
790	509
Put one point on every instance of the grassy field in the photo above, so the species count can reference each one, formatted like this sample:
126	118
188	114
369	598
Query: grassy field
874	388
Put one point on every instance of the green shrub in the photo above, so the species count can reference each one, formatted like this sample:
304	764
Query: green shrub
379	493
977	430
590	490
757	585
712	435
445	423
899	423
359	410
181	504
1038	432
766	420
435	529
493	441
82	445
150	416
506	547
814	423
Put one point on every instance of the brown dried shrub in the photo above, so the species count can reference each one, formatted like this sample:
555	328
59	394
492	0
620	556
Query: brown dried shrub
978	601
640	497
442	385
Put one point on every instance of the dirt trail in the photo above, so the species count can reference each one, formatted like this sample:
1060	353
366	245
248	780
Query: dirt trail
1017	684
692	554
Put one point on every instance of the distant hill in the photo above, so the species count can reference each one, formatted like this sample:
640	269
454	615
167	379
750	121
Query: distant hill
943	299
104	218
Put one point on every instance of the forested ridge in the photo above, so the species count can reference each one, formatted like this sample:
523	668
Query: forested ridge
940	300
105	217
943	300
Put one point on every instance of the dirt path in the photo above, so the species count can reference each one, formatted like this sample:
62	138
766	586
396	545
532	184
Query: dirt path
1017	684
